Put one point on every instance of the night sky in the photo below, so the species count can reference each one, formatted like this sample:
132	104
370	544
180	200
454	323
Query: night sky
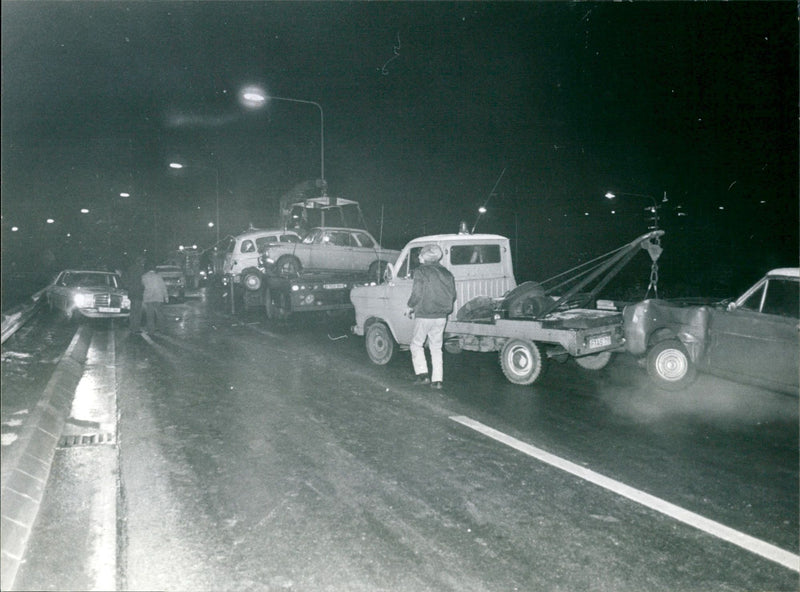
426	105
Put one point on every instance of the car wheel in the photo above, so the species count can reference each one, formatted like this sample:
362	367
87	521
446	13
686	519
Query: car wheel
379	343
594	361
522	361
288	265
376	271
669	365
251	279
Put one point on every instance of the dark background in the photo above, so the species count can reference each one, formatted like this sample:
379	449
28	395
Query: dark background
425	105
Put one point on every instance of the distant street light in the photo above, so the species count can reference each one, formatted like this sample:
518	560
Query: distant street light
256	98
653	208
178	165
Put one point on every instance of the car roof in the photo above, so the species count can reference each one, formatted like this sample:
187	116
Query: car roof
89	271
344	228
258	232
456	238
792	272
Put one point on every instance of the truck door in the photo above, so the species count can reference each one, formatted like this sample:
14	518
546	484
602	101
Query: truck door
397	292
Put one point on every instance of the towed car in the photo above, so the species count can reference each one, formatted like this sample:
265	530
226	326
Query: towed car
88	293
753	339
329	249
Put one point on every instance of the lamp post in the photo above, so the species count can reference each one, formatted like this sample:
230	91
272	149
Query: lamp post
653	208
256	98
178	165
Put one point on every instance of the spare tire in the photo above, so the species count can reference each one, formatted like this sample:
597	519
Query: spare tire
526	300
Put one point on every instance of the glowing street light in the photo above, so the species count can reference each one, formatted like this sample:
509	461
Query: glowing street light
256	98
215	225
653	208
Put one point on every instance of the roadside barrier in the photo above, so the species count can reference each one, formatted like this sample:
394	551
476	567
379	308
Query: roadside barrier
14	318
24	488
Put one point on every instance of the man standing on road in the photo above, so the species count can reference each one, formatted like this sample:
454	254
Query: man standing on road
133	283
155	295
432	297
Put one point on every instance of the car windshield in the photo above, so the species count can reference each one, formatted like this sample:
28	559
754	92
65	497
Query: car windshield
90	280
315	236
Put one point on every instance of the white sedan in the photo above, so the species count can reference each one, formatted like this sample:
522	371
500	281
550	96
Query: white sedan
88	293
334	249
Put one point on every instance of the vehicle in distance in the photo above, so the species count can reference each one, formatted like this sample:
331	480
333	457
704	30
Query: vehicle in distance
88	293
329	249
243	250
753	339
175	280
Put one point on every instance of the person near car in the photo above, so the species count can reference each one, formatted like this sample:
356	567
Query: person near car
154	297
133	283
432	296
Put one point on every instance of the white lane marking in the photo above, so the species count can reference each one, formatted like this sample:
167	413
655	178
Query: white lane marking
745	541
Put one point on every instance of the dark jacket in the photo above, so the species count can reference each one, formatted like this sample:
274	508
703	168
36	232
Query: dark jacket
133	281
433	293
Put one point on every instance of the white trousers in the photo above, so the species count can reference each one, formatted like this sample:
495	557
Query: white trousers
433	331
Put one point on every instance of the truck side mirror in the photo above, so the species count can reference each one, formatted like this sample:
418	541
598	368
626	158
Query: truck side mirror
388	273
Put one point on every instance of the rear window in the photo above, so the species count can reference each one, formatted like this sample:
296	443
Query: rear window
474	254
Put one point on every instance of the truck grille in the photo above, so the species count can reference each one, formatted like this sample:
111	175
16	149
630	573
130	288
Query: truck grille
108	300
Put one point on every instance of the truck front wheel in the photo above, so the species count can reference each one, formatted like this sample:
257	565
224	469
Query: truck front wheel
669	365
522	361
277	308
380	343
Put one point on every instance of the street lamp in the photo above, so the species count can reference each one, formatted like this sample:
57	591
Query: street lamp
177	165
653	208
256	98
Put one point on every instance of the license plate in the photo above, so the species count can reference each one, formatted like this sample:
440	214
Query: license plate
599	341
107	309
334	286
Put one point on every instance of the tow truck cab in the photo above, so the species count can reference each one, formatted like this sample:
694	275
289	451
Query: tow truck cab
480	263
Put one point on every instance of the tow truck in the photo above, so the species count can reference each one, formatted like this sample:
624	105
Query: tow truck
283	292
527	324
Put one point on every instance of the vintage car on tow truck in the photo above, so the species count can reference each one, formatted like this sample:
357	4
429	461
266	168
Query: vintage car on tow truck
753	339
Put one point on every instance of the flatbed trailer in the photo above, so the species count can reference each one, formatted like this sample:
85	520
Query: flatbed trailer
588	335
282	296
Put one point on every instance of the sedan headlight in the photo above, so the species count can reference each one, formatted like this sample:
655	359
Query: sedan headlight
84	300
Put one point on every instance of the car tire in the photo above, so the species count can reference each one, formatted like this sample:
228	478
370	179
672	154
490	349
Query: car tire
594	361
379	343
522	361
669	365
251	279
288	265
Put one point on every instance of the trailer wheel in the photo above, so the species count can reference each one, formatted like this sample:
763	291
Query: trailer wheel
288	265
379	343
669	365
594	361
522	361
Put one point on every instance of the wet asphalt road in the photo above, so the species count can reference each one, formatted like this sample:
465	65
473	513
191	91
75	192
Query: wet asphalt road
255	456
